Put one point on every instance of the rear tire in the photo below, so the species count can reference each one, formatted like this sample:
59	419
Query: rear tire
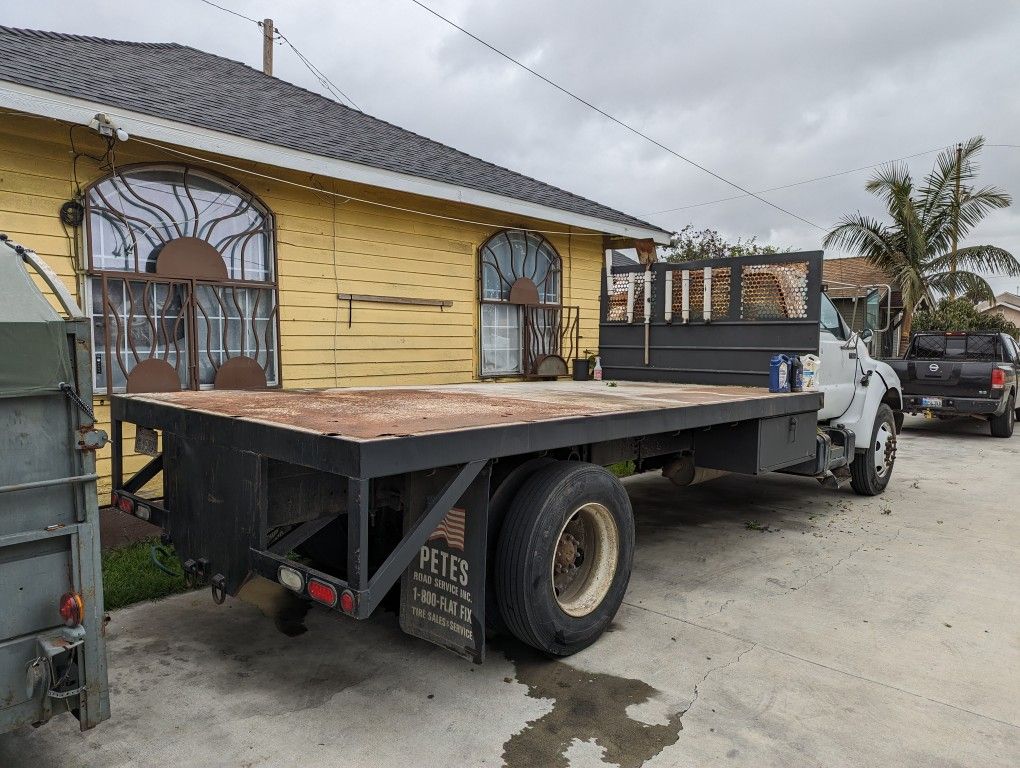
1002	425
871	469
564	557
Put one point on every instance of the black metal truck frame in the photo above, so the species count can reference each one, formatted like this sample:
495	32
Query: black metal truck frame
243	492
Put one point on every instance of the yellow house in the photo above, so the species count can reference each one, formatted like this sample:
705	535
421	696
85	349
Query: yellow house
224	228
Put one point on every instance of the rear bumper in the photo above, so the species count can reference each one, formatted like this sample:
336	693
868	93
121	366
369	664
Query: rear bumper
956	405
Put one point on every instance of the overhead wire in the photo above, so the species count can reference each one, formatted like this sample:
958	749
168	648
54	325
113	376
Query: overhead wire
317	73
800	183
617	120
233	13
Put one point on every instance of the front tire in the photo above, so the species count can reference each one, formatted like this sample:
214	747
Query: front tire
1002	425
871	469
564	557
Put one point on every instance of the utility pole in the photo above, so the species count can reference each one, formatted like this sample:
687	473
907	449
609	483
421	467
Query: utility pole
956	215
267	46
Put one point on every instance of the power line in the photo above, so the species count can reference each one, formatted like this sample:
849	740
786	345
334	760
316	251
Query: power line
234	13
800	183
607	115
317	73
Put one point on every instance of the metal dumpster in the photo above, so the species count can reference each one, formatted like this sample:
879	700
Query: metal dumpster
52	652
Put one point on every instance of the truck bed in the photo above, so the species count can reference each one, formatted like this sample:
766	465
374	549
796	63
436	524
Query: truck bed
372	431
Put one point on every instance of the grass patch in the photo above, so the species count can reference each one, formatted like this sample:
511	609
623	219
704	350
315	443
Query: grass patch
129	576
622	468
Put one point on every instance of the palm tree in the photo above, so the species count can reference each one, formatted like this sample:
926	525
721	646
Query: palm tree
916	249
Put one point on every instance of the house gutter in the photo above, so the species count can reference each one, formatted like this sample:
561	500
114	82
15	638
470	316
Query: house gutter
80	111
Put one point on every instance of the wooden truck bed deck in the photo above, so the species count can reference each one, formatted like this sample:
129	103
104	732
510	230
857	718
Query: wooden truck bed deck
385	430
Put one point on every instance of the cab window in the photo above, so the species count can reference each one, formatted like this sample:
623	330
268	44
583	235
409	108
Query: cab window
831	320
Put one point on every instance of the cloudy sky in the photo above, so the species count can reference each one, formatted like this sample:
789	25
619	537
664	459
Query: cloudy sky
765	94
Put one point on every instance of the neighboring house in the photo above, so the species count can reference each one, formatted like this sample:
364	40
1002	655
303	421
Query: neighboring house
861	293
252	233
1006	305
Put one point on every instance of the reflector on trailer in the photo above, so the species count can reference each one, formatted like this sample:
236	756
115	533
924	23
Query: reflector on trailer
322	592
291	578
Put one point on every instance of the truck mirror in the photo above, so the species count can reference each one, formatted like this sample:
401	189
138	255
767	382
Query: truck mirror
866	335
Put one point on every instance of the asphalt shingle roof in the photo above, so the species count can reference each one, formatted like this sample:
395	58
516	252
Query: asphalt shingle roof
190	86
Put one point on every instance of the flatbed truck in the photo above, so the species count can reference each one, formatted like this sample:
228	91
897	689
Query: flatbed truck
488	506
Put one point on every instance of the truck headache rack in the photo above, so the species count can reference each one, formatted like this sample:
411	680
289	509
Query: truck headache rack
717	321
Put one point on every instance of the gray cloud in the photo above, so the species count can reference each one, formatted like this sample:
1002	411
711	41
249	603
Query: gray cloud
763	93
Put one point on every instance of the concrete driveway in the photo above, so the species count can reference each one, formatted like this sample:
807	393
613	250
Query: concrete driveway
769	622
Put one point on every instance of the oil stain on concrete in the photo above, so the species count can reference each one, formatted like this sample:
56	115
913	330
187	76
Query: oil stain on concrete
587	706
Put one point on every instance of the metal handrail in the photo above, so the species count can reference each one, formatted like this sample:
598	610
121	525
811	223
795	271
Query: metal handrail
48	483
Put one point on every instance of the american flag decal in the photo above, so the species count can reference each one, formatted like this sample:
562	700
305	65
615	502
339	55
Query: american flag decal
451	529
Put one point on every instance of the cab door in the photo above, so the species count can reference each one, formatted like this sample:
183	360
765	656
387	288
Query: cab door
838	376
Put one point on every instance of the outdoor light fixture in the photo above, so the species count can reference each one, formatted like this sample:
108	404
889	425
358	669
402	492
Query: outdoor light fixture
104	126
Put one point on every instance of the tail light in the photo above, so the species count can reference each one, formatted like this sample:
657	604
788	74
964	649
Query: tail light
998	378
347	601
72	609
321	592
124	504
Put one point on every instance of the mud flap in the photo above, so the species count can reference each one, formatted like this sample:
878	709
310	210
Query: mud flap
442	591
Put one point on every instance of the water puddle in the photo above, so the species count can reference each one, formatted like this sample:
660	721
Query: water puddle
588	706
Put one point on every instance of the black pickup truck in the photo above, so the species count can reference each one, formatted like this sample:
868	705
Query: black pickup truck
962	373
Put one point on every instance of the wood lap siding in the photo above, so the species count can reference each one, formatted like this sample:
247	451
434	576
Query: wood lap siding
376	251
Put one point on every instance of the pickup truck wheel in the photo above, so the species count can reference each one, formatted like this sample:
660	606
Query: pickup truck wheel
871	469
1002	425
564	557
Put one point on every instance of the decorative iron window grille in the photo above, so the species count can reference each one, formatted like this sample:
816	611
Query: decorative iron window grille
520	294
182	276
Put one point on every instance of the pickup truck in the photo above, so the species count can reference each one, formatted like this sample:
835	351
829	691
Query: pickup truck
955	373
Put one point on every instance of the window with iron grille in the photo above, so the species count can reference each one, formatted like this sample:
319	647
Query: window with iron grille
521	302
182	280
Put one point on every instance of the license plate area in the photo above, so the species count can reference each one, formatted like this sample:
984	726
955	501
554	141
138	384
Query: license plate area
931	402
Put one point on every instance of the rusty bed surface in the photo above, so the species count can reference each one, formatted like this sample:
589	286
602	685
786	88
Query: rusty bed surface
367	413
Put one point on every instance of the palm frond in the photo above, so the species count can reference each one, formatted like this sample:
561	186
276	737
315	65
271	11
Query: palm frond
860	234
976	204
961	283
984	258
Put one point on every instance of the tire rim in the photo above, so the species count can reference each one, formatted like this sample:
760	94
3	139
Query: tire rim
584	561
885	449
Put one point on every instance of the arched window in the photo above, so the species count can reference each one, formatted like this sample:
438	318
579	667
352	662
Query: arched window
521	295
182	277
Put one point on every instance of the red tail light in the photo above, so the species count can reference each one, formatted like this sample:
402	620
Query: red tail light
321	592
124	504
347	601
998	378
72	609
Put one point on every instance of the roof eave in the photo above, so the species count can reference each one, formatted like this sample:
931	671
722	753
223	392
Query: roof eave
77	110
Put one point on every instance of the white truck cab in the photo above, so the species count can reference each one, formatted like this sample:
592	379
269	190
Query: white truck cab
862	396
